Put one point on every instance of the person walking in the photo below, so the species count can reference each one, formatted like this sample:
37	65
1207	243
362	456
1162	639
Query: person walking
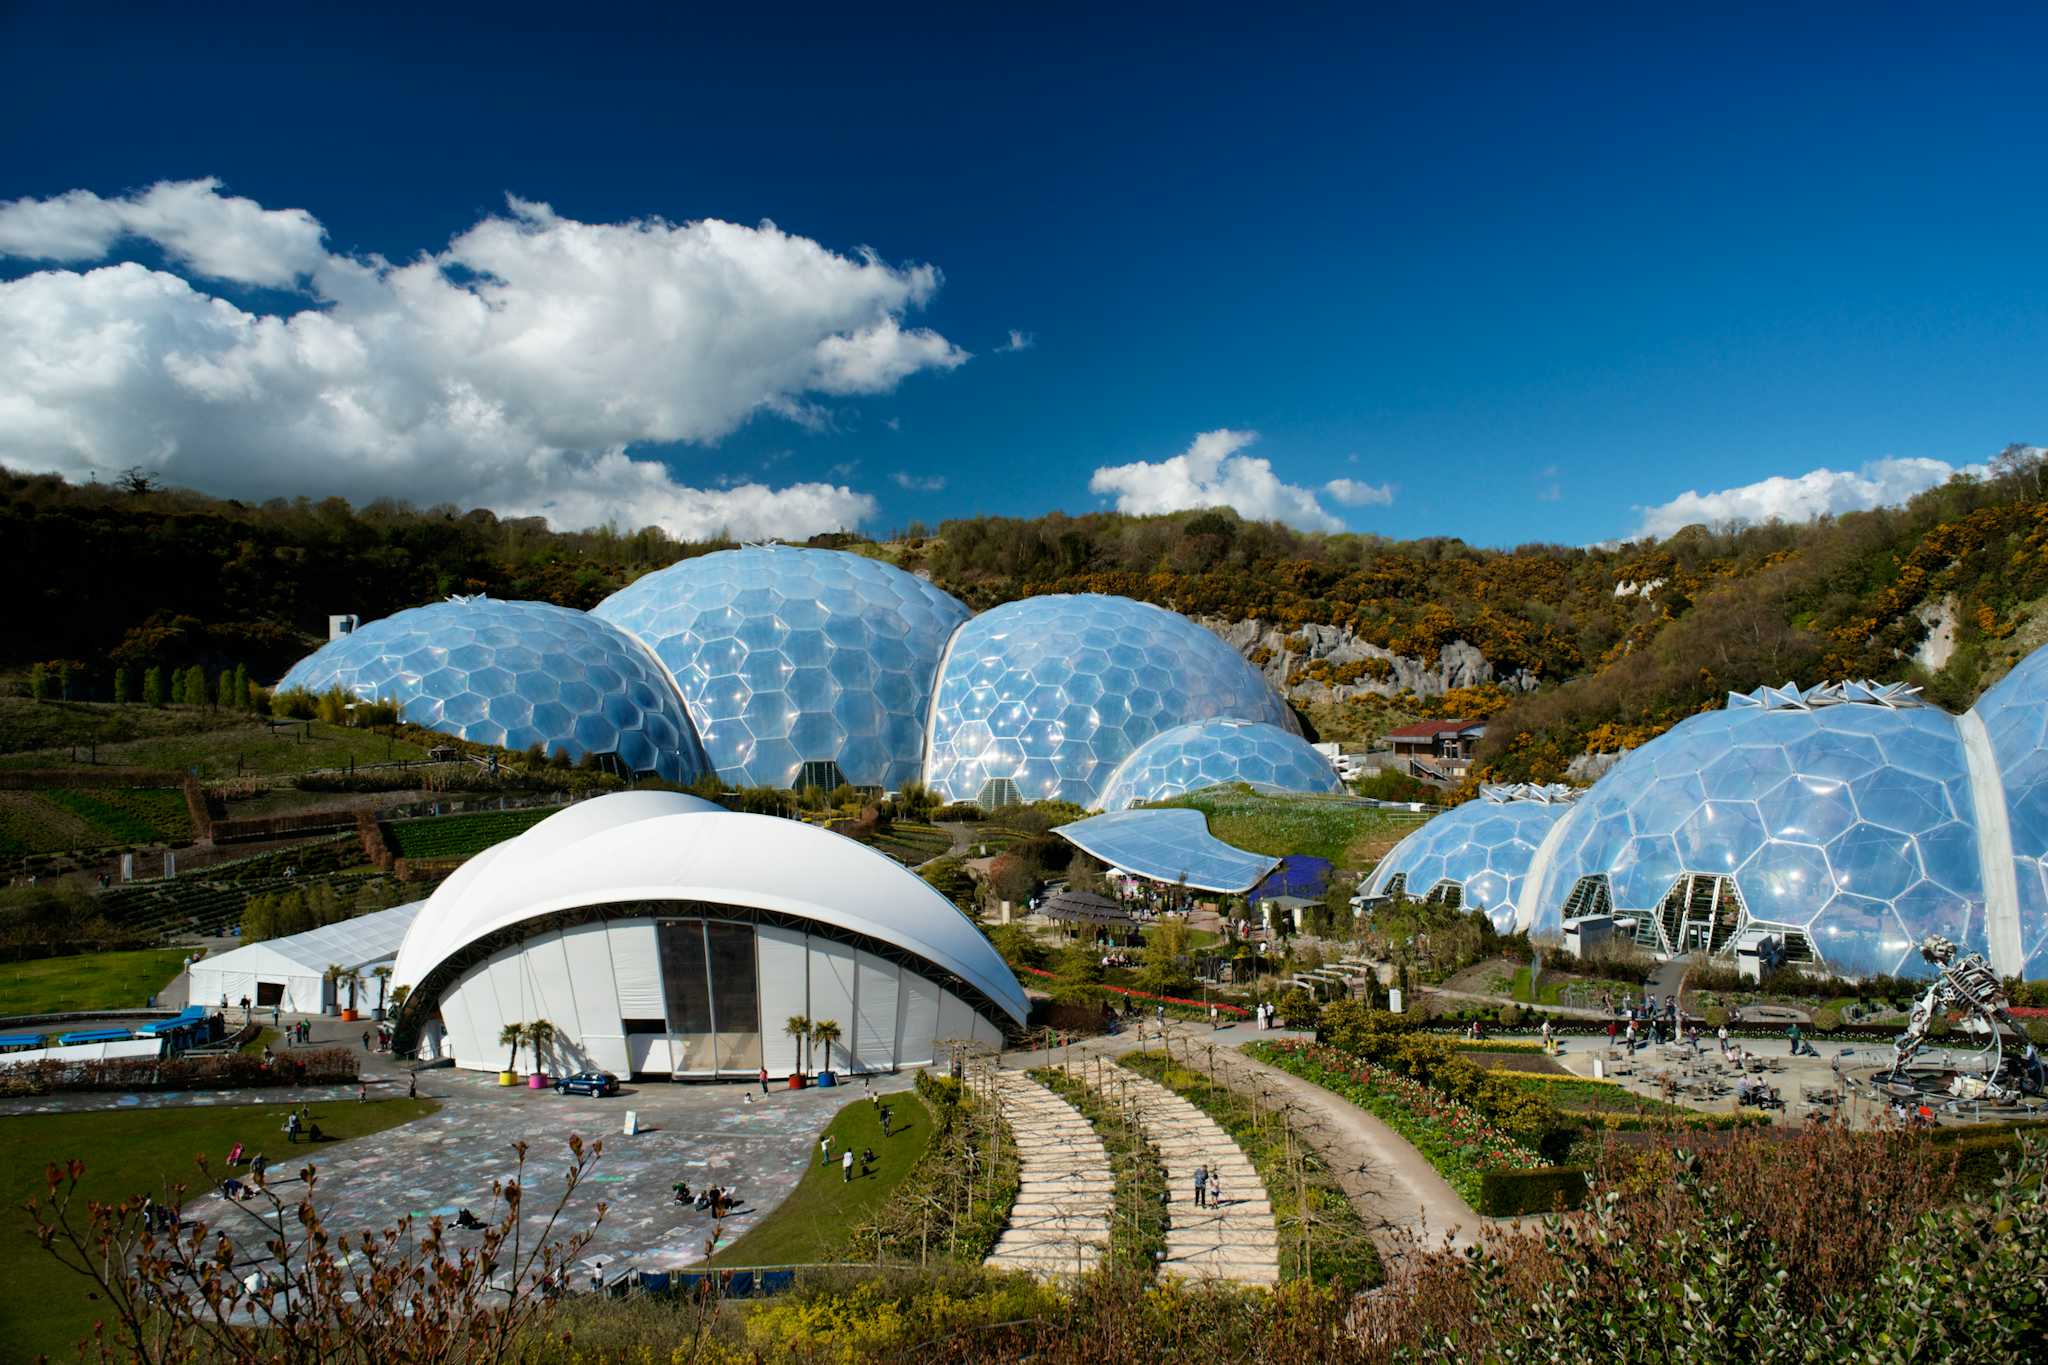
764	1080
1721	1036
886	1114
846	1167
1610	1035
1631	1037
826	1147
1549	1047
1216	1189
258	1168
362	1091
412	1085
366	1040
1201	1186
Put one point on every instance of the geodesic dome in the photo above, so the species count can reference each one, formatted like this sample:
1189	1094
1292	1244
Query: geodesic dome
514	674
2014	717
1054	692
1480	850
1208	753
787	657
1840	818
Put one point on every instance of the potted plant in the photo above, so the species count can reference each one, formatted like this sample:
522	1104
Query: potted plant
799	1028
334	976
826	1031
512	1035
383	975
541	1035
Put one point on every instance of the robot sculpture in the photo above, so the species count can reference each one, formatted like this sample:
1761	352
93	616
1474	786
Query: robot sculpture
1970	987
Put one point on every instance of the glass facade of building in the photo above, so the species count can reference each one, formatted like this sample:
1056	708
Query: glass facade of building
2015	718
785	656
1054	692
1209	753
514	674
1847	825
1482	848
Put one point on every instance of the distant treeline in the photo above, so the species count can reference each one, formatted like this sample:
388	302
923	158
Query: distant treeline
131	575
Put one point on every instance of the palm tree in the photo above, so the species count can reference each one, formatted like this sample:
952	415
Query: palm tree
542	1035
799	1028
826	1031
398	995
512	1035
334	975
383	975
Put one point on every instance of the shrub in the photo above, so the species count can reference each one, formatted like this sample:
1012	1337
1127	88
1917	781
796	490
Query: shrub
1827	1020
1505	1194
1298	1009
1717	1017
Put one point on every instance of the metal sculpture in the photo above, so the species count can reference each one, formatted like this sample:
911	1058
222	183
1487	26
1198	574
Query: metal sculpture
1969	986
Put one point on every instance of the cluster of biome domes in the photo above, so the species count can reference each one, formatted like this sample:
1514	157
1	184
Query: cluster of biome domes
1841	824
783	667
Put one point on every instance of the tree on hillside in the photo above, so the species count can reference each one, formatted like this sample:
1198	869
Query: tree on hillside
122	687
153	686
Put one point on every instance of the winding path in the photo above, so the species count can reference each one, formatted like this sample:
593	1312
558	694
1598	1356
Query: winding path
1059	1225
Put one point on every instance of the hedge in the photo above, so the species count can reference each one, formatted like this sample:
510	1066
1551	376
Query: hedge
1504	1194
192	1071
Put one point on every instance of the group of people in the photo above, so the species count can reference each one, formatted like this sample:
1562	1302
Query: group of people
1208	1187
717	1200
847	1162
1268	1014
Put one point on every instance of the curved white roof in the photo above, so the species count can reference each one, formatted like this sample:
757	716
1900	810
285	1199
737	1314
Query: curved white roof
635	846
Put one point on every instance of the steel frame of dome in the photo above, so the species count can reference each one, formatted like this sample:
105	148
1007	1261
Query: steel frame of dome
2010	722
1055	692
1849	815
514	674
1483	848
786	654
1210	753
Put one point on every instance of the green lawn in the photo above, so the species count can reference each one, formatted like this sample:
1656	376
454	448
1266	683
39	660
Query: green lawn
812	1224
463	836
1596	1097
128	1152
1347	832
90	981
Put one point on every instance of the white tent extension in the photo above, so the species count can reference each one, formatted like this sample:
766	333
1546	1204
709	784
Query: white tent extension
291	972
661	934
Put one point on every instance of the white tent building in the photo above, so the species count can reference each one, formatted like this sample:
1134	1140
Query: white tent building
661	934
291	972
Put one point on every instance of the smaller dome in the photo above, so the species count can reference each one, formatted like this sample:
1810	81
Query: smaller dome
1481	849
1209	753
514	674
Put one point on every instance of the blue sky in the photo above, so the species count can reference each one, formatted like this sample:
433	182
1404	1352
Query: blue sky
1511	276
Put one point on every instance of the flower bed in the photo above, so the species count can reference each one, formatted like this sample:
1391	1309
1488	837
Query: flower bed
1235	1011
1454	1137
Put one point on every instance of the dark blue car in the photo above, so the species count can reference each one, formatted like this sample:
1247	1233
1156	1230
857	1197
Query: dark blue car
588	1083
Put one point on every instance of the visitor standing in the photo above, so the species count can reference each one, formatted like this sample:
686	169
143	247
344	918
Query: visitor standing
1215	1189
366	1040
1721	1036
1201	1186
764	1080
826	1148
1548	1048
1610	1034
1631	1037
846	1167
412	1085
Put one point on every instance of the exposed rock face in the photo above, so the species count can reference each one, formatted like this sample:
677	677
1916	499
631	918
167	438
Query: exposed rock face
1286	651
1587	769
1940	645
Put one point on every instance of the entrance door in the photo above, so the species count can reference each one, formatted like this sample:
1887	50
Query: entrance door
269	993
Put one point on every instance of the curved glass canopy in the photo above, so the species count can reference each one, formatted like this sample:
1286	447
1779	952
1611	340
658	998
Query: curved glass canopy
1210	753
793	659
1172	846
514	674
1052	693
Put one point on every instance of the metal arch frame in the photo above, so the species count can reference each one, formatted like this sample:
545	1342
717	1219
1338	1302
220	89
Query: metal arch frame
425	998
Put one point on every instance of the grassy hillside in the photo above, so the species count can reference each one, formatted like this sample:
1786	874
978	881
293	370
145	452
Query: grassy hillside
1348	833
180	739
173	579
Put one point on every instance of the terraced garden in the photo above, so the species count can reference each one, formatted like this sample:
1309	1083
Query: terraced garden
220	744
462	836
59	820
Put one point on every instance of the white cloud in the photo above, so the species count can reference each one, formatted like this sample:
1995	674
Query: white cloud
935	483
514	369
1352	493
222	237
1211	473
1019	341
1820	492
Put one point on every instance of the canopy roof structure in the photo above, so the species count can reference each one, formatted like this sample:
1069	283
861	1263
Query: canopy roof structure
1085	907
1173	847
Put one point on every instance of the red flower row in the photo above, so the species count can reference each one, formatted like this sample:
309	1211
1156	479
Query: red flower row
1238	1010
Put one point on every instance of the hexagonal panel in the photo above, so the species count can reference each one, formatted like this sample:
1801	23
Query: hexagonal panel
1212	752
1490	870
817	646
530	673
1044	655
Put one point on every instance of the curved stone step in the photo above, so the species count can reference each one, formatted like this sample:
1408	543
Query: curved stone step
1059	1224
1234	1240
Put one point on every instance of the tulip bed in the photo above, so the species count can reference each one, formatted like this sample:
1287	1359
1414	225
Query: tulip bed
1453	1136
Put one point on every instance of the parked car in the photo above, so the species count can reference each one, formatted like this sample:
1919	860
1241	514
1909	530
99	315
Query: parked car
588	1083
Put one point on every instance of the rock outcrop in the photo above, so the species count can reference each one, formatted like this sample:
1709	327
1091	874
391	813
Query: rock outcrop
1281	654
